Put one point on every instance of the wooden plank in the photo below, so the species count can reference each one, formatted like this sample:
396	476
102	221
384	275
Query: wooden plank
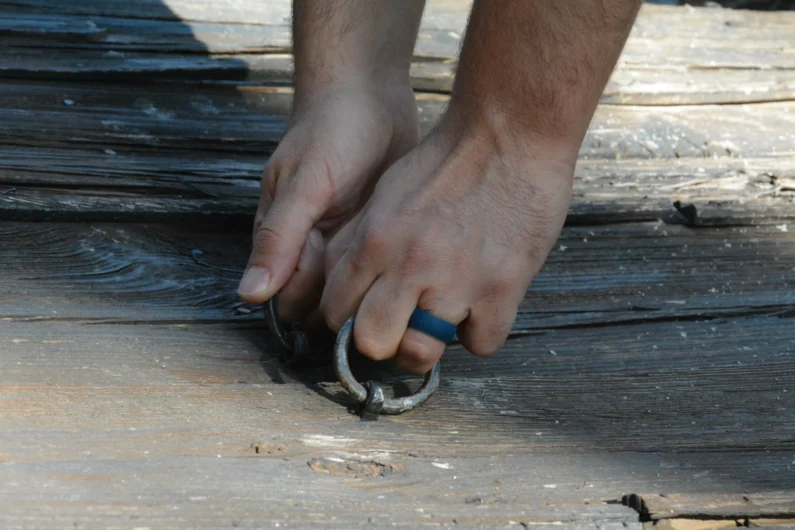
649	85
61	183
712	524
643	388
702	191
37	203
250	119
186	408
645	357
733	41
208	492
134	266
674	55
439	14
117	380
22	204
763	505
658	84
636	162
130	380
595	275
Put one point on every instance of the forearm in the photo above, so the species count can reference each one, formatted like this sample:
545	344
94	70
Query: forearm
539	67
338	41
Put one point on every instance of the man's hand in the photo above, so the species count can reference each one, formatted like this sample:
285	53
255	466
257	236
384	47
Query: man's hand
321	173
354	114
459	226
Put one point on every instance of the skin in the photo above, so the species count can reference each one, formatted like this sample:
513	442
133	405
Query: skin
359	219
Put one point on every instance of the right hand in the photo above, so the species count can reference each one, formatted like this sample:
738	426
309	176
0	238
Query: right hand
339	142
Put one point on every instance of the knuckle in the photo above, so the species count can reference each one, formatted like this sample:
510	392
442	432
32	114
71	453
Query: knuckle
368	248
277	172
507	277
334	320
489	337
373	329
502	284
484	348
373	240
265	236
318	181
416	351
370	346
412	366
307	187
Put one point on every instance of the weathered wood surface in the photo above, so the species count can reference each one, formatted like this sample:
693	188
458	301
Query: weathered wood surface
664	369
595	275
252	119
717	524
674	56
735	162
184	425
763	505
137	391
724	390
190	411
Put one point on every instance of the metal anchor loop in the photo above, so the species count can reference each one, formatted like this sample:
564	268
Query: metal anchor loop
294	341
374	403
297	348
364	395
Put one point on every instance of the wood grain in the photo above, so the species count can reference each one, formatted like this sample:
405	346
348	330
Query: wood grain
652	354
204	146
723	388
595	275
252	119
93	412
673	56
763	505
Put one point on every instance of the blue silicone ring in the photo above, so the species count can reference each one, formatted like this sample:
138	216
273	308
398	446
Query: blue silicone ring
430	325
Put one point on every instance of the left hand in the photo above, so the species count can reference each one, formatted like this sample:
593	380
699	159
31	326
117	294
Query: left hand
458	227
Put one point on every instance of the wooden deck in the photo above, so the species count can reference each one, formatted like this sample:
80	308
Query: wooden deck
650	375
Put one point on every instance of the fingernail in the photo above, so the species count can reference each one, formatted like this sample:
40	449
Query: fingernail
255	282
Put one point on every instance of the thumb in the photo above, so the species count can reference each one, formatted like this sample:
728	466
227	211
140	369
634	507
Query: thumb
279	239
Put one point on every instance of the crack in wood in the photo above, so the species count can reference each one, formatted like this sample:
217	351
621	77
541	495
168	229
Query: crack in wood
716	507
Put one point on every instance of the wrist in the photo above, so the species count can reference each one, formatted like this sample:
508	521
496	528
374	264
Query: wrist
509	134
314	87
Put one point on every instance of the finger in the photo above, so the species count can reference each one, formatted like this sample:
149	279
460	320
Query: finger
418	352
279	240
340	243
383	317
350	276
315	322
302	291
487	327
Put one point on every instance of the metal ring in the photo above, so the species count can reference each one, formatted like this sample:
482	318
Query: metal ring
294	341
275	325
391	405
